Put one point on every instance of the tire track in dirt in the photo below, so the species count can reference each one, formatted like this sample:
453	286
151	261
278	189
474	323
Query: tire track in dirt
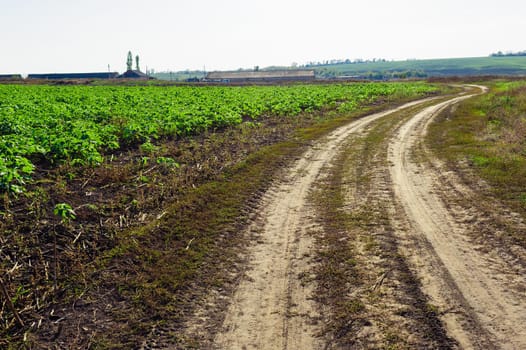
481	294
272	307
374	300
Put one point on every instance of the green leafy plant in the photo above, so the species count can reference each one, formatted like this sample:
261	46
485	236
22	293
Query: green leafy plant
167	161
65	212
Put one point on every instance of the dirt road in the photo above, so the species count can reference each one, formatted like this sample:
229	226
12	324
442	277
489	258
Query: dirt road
272	308
484	287
476	287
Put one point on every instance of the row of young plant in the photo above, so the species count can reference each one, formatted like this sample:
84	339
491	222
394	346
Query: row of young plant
50	125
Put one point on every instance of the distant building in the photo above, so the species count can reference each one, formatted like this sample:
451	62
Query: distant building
134	74
60	76
261	76
10	77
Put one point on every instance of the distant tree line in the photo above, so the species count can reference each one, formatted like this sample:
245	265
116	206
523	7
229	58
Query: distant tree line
342	61
508	54
328	73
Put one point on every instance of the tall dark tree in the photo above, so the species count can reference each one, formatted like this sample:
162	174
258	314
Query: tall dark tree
129	61
137	63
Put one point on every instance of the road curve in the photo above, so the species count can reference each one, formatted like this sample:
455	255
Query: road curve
272	309
481	282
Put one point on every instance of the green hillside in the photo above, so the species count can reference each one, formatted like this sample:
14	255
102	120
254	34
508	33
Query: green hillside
426	68
505	65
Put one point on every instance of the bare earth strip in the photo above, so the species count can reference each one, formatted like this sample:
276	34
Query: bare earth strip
271	308
481	292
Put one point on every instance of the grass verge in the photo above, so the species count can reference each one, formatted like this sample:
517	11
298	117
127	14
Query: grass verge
486	137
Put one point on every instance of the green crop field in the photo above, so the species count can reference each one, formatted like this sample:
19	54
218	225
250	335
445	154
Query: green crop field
78	125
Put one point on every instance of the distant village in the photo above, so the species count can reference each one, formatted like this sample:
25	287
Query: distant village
129	74
242	76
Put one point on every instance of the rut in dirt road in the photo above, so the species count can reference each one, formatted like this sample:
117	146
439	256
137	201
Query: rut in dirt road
483	292
272	308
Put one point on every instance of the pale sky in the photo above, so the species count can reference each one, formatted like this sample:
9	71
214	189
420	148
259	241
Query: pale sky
45	36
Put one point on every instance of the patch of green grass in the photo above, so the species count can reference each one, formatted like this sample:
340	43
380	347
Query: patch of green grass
337	271
481	161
